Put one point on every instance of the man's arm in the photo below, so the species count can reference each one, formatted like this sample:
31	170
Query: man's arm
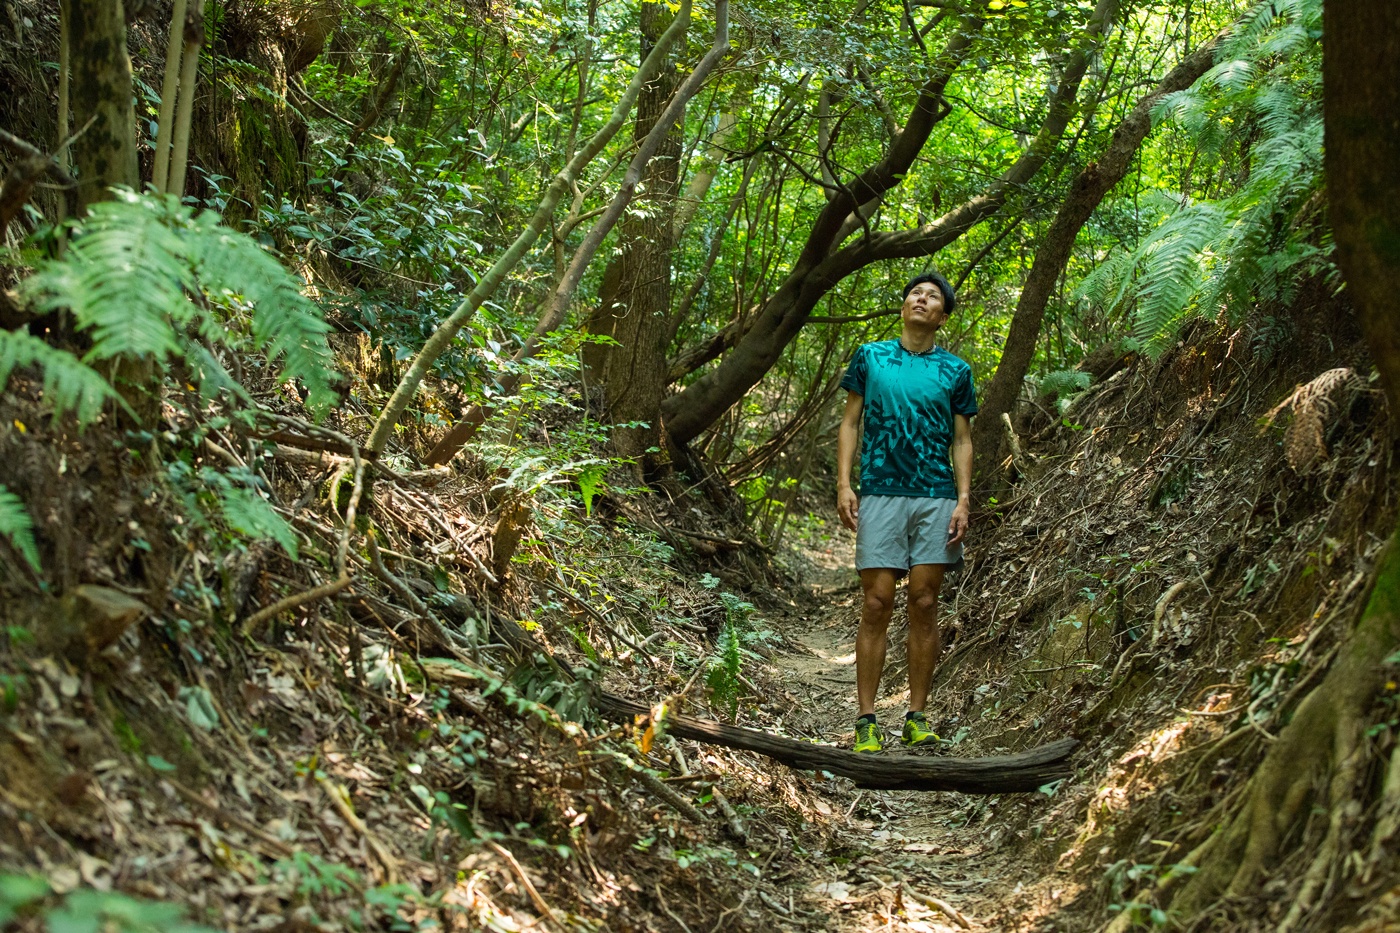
847	504
962	472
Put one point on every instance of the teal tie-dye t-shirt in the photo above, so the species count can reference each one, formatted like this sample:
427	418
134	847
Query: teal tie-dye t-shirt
909	403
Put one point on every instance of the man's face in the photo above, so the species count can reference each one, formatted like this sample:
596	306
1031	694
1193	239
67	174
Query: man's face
923	306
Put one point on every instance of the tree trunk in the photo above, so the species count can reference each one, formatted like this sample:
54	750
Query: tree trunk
636	301
1361	107
1085	193
104	154
1361	87
243	127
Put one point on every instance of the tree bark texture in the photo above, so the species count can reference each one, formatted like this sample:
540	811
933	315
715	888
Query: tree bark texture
823	262
1085	193
634	305
104	154
1361	106
243	128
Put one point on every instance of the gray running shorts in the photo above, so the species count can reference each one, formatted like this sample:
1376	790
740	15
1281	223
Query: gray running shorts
900	531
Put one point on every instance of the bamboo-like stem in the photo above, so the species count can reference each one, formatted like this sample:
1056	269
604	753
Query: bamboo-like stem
563	294
64	12
189	70
169	88
442	338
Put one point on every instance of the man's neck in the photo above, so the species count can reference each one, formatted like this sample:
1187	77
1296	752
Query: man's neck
917	339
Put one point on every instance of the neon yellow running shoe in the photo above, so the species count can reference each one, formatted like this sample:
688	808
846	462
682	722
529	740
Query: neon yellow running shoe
868	737
916	731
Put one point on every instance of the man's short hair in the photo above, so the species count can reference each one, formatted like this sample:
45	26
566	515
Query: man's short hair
950	300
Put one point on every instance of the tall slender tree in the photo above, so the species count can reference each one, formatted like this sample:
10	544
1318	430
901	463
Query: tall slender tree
104	113
1086	191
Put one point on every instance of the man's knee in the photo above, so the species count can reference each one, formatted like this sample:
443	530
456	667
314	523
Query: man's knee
924	601
878	605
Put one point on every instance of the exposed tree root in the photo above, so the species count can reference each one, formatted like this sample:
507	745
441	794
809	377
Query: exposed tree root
1325	734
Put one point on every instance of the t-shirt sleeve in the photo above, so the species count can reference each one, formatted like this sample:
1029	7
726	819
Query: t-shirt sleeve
854	380
964	394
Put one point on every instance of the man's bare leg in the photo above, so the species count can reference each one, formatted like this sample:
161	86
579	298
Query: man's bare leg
878	584
925	640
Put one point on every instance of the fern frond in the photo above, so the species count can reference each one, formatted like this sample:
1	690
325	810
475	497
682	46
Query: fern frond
1230	74
1064	382
1172	266
1108	278
17	527
286	325
69	384
725	667
248	513
124	279
210	375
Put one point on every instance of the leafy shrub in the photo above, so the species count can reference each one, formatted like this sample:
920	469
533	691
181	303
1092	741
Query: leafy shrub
147	278
1255	244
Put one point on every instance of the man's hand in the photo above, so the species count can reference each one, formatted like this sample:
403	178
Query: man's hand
957	525
848	507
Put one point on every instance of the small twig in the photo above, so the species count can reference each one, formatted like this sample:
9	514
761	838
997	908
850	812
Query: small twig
340	799
291	602
661	902
724	914
28	150
648	780
682	806
731	816
938	904
525	882
1160	612
678	756
463	548
417	605
376	563
596	616
229	819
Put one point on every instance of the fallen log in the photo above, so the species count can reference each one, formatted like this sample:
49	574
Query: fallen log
1000	774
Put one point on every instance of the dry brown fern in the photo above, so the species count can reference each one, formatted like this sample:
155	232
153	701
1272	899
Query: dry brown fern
1314	405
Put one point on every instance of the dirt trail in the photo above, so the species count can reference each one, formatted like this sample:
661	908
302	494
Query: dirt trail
941	846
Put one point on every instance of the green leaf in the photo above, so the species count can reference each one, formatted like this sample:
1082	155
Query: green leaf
589	479
18	890
159	763
70	386
17	527
199	707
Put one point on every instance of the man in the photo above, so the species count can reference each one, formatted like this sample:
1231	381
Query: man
912	512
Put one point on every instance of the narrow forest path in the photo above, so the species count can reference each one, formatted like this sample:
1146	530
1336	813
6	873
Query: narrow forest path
897	853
